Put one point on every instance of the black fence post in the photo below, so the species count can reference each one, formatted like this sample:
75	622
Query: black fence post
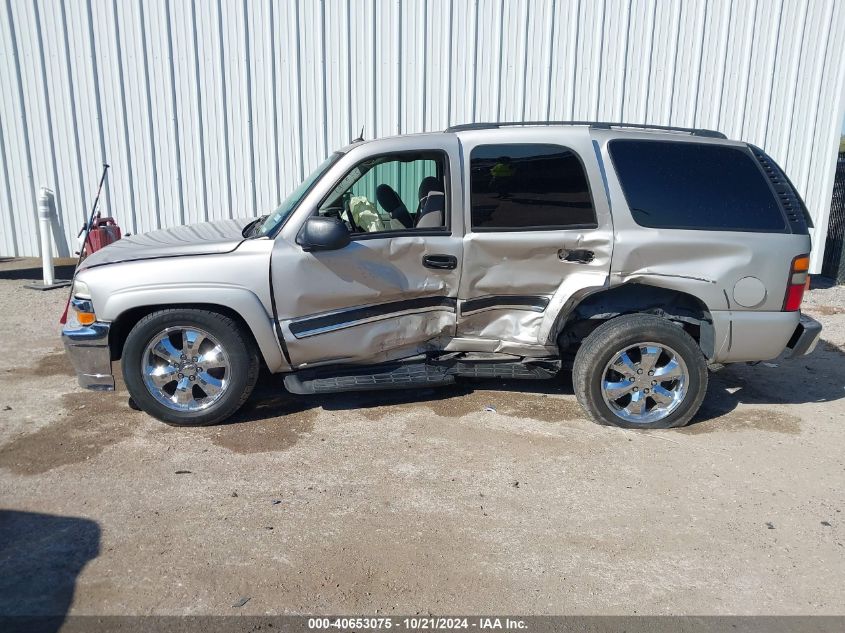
833	265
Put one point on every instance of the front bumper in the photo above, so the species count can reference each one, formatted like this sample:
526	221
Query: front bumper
805	338
88	349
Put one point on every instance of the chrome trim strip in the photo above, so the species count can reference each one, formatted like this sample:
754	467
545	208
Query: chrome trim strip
532	303
382	317
341	319
502	306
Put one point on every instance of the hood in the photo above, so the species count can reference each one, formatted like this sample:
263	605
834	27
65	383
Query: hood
207	238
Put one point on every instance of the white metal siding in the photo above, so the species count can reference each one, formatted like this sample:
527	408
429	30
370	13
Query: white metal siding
216	108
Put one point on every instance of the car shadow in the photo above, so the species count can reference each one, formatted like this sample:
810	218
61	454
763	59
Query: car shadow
270	398
818	377
41	556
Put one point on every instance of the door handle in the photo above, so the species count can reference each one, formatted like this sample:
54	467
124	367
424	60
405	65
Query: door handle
440	262
578	256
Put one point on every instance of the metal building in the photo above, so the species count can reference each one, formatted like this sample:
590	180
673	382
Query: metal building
215	108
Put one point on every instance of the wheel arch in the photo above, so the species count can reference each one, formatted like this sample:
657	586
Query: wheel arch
241	306
684	308
620	334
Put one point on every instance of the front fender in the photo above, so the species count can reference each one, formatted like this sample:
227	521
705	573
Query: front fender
241	300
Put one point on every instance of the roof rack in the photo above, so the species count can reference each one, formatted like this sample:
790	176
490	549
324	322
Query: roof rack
600	125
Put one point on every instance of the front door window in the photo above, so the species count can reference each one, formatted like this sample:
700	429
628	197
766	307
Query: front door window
392	193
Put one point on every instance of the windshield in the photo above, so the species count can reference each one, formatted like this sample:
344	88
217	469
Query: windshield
278	217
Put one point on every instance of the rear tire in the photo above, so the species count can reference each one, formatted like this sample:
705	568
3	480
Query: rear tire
640	372
189	367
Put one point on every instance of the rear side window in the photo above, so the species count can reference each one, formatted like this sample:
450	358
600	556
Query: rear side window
695	186
522	187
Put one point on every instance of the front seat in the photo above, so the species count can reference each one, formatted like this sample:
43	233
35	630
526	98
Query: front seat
428	184
392	203
432	203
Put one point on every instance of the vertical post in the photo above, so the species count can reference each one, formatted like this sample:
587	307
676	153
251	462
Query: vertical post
46	214
47	220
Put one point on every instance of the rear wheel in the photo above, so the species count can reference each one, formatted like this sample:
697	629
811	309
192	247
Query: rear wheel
640	371
189	367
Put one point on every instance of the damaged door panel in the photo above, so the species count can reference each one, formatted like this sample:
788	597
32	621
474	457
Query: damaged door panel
392	291
538	232
367	301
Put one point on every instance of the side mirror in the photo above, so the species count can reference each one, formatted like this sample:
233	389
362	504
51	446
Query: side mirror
323	234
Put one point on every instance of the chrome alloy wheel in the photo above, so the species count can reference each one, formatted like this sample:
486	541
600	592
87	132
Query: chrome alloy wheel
644	383
185	368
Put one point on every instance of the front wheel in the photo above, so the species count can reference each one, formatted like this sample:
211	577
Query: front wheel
189	367
640	371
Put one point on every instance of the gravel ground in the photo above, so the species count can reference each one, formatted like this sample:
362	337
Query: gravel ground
425	502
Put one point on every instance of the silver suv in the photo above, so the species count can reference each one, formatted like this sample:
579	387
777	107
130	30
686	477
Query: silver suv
638	256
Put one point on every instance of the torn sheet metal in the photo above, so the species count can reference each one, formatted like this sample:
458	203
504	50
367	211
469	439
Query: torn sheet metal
504	325
534	262
525	265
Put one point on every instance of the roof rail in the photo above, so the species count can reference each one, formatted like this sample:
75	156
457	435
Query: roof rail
601	125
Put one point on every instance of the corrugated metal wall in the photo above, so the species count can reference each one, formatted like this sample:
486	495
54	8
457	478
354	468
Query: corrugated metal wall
215	108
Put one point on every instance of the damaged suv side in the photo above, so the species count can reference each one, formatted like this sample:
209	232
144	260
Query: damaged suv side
638	256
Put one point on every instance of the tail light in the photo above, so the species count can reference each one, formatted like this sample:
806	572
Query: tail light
799	281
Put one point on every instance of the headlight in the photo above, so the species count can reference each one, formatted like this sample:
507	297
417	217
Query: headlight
80	290
81	312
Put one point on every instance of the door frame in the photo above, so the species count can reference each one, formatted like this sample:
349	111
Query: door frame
577	280
356	152
430	305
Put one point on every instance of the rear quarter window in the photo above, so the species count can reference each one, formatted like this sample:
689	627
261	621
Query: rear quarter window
684	185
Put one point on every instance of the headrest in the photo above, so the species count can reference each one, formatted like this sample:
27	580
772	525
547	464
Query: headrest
392	203
388	198
429	184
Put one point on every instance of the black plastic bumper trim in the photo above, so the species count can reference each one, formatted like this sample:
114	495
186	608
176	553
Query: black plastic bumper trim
805	338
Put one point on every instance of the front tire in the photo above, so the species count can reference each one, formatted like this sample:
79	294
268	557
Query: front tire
189	367
640	372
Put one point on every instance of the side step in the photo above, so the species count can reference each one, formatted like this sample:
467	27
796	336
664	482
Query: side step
525	370
399	375
373	377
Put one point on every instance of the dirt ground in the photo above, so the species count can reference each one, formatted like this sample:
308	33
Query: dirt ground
421	502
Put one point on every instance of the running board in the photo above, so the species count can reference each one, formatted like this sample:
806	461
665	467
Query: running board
368	378
415	374
524	370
